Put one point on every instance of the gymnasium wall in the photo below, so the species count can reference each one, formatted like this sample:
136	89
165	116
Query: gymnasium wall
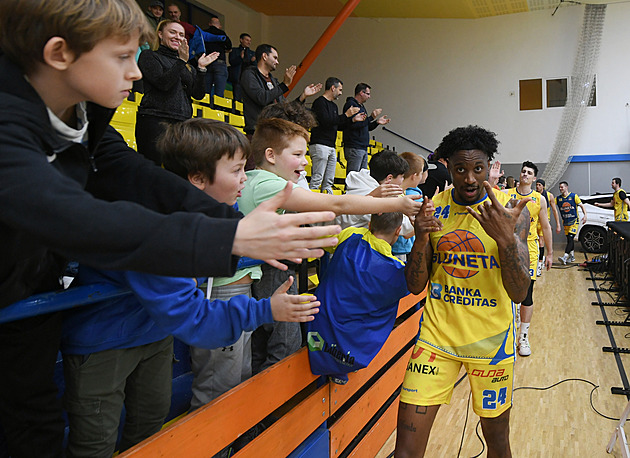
431	75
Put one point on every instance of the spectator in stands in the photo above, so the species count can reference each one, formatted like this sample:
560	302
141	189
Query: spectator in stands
241	57
174	13
260	88
129	339
324	136
438	177
217	74
414	177
360	288
169	83
155	13
295	112
356	135
72	189
279	149
384	178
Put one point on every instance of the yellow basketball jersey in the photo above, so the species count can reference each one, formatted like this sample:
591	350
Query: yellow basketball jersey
468	313
534	209
621	208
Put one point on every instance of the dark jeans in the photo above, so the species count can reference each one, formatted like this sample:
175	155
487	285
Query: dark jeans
30	410
148	130
356	159
272	342
216	75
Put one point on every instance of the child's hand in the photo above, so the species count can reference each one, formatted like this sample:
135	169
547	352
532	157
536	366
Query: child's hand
387	190
409	205
289	307
263	234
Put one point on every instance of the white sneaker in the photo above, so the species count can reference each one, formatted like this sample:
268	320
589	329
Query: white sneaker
571	259
523	346
563	259
539	269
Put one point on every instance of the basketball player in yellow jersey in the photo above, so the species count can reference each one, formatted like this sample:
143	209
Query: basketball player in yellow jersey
471	253
551	207
619	202
537	206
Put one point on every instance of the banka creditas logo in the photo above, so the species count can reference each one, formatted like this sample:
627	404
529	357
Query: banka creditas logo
462	254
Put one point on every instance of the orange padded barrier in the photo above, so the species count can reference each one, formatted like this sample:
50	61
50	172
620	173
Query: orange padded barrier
208	430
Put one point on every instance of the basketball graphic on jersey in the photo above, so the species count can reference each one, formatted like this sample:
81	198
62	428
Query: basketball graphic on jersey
566	207
451	245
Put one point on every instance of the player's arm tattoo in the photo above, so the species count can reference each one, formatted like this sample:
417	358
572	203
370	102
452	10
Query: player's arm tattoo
515	261
417	267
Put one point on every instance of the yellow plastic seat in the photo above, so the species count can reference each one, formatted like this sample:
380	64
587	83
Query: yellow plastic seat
340	171
238	106
222	102
128	133
228	94
236	120
125	114
209	113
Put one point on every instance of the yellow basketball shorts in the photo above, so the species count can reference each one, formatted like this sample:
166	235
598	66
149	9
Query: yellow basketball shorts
571	229
430	379
532	248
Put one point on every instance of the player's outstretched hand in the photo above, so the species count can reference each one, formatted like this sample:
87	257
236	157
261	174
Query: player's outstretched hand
495	173
291	307
264	234
498	221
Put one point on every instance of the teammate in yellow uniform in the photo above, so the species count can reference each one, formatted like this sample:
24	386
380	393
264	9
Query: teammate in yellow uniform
551	207
471	253
568	203
536	206
619	202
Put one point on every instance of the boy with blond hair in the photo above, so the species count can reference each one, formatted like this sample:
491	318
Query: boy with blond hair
65	175
412	178
279	150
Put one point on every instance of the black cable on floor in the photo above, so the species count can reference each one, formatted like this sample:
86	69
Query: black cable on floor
483	445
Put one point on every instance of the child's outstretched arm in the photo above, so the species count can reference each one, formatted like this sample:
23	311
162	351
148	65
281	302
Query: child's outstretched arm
291	307
263	234
302	200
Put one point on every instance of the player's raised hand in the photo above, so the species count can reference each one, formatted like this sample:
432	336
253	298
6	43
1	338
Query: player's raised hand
291	307
425	221
498	221
495	173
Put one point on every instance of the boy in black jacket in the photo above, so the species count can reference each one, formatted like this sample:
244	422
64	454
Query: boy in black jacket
65	178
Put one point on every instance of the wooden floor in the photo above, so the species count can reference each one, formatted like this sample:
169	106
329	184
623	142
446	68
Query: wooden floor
566	343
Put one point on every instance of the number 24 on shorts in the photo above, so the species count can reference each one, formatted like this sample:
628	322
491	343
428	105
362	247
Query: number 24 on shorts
491	398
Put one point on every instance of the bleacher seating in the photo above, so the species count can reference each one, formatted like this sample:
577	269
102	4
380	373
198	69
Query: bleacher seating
226	110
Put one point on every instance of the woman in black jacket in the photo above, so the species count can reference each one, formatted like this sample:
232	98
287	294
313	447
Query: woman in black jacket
169	83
